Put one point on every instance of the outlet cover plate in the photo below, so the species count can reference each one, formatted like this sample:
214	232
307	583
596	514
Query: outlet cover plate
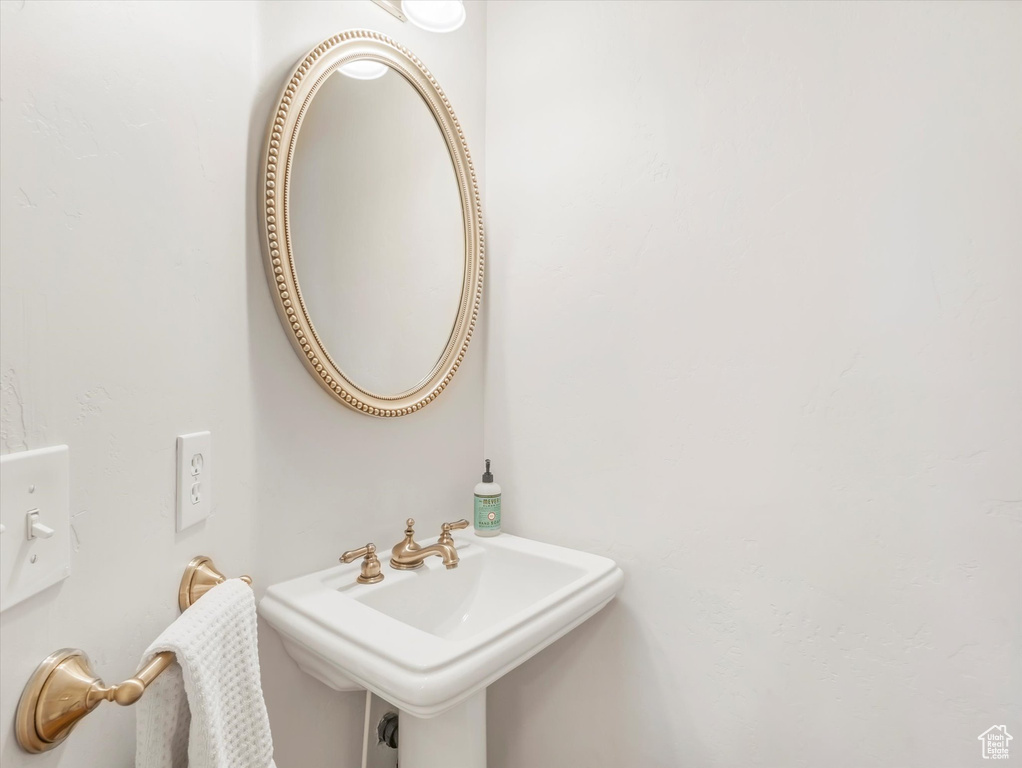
29	481
194	478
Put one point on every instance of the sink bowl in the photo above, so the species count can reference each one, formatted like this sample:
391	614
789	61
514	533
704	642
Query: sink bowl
431	639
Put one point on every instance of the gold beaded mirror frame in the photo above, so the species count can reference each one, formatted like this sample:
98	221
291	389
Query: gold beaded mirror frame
285	124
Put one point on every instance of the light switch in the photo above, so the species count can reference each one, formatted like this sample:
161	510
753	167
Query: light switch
35	543
194	478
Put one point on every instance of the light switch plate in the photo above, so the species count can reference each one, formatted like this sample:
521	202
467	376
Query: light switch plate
194	478
34	481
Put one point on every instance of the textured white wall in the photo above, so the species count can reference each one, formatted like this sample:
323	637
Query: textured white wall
134	308
124	317
755	331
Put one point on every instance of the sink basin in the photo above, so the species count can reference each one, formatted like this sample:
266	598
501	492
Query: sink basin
429	639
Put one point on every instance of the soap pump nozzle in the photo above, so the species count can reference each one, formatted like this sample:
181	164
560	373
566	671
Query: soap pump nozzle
487	475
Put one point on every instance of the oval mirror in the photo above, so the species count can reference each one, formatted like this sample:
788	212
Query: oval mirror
372	225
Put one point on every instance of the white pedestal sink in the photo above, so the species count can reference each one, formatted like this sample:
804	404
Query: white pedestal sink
431	640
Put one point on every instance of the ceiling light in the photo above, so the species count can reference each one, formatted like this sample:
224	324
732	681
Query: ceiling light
435	15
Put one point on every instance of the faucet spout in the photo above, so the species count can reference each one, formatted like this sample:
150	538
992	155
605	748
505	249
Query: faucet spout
408	554
446	551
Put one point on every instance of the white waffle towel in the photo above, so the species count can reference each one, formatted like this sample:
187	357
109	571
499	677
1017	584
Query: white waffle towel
207	710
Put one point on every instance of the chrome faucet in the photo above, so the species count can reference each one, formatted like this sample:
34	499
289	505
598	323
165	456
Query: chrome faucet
408	554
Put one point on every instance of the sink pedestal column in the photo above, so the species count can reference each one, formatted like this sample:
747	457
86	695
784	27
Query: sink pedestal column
454	739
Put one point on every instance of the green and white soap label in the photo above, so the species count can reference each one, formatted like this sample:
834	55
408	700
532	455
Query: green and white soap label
487	513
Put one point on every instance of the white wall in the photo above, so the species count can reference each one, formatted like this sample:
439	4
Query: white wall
122	266
756	333
135	309
754	291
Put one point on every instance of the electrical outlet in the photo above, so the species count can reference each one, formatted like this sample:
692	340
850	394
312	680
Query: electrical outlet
194	479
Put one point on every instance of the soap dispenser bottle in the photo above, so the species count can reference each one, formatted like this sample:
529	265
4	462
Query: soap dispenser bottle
487	505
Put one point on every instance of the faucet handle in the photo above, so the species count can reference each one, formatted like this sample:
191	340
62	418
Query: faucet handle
445	534
370	565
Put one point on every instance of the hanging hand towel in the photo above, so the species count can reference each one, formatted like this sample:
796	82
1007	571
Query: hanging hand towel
207	710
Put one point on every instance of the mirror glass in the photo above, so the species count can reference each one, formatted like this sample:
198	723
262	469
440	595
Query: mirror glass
376	227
